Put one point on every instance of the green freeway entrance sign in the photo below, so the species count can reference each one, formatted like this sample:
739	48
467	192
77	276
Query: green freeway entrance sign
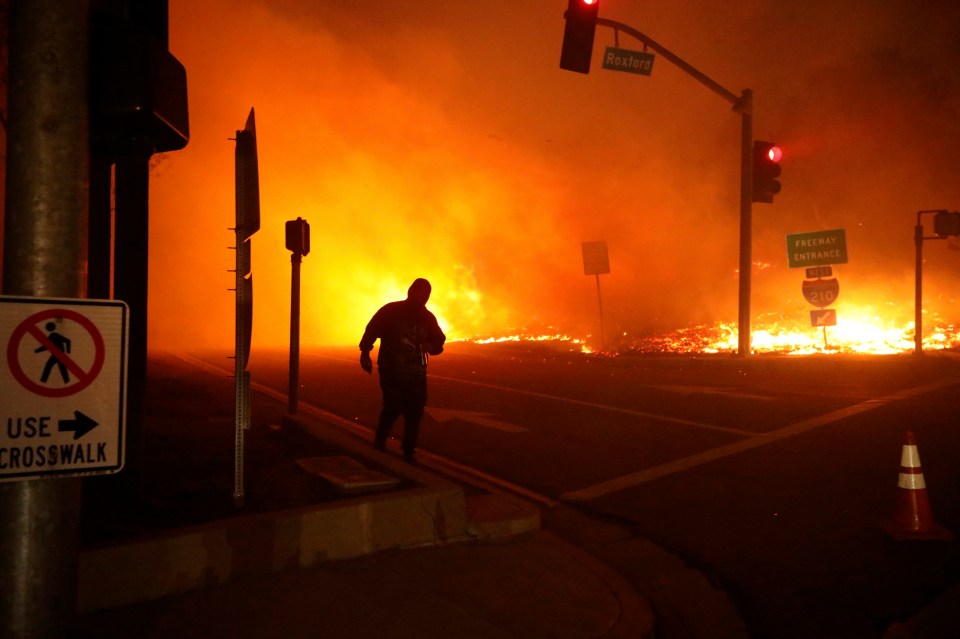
817	248
638	62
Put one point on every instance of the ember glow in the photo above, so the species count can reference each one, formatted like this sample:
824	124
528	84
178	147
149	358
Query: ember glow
865	335
441	140
846	337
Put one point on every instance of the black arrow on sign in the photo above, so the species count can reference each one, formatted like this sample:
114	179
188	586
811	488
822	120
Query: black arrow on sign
80	426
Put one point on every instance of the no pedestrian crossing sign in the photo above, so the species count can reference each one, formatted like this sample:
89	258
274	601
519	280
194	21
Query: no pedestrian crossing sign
63	382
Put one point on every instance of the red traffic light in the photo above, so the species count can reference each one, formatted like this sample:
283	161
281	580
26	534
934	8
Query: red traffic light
766	170
581	23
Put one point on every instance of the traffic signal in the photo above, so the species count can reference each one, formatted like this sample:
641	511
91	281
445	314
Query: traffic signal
766	170
946	223
298	236
578	33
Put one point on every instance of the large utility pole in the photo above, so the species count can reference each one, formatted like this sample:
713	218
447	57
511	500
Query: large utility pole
90	83
45	254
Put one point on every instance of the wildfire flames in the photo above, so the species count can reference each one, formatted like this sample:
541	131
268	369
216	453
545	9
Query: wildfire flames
867	335
443	141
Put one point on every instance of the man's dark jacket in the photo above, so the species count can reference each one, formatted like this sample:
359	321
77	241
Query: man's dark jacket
408	332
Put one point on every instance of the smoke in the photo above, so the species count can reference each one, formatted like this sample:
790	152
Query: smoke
443	141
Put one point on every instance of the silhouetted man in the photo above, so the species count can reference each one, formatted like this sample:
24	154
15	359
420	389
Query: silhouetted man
408	334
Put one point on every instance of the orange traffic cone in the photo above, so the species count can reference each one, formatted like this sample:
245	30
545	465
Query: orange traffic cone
912	517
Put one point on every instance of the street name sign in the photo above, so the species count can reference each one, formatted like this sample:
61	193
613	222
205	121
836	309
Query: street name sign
63	384
638	62
818	248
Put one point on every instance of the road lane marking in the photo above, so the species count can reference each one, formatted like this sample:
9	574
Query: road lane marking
473	417
635	479
432	460
578	402
711	390
606	407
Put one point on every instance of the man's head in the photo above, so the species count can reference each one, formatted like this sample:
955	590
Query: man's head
419	291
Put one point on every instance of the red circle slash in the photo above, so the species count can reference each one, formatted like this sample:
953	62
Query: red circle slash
29	326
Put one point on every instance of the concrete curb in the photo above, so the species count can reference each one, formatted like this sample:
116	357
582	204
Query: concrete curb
435	511
213	554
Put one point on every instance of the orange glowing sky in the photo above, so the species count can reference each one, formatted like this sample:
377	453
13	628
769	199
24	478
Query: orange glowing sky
442	140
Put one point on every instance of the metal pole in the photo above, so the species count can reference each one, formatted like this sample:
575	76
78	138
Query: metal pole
744	105
100	229
45	254
746	221
918	291
603	340
295	260
918	238
130	280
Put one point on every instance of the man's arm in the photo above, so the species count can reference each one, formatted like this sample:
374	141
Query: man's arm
435	337
365	362
370	335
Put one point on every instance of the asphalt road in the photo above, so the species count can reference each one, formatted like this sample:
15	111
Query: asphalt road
771	475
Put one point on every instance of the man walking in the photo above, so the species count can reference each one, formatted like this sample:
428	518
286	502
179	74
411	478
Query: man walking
408	334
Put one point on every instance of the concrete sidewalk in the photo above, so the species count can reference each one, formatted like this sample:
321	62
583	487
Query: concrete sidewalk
430	558
535	586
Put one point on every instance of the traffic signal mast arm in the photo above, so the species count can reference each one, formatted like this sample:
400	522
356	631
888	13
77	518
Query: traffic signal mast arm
738	102
742	104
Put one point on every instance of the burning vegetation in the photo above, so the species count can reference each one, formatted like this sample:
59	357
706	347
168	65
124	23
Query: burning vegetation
443	141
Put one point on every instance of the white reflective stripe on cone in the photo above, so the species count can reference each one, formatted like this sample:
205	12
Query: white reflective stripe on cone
910	458
911	481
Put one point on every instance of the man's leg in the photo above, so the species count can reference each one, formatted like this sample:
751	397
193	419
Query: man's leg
392	408
416	399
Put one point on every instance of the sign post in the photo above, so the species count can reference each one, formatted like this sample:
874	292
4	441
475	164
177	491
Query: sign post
596	261
247	203
62	387
298	242
816	252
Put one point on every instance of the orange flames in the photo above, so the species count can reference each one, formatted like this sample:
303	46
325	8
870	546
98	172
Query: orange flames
864	334
443	141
